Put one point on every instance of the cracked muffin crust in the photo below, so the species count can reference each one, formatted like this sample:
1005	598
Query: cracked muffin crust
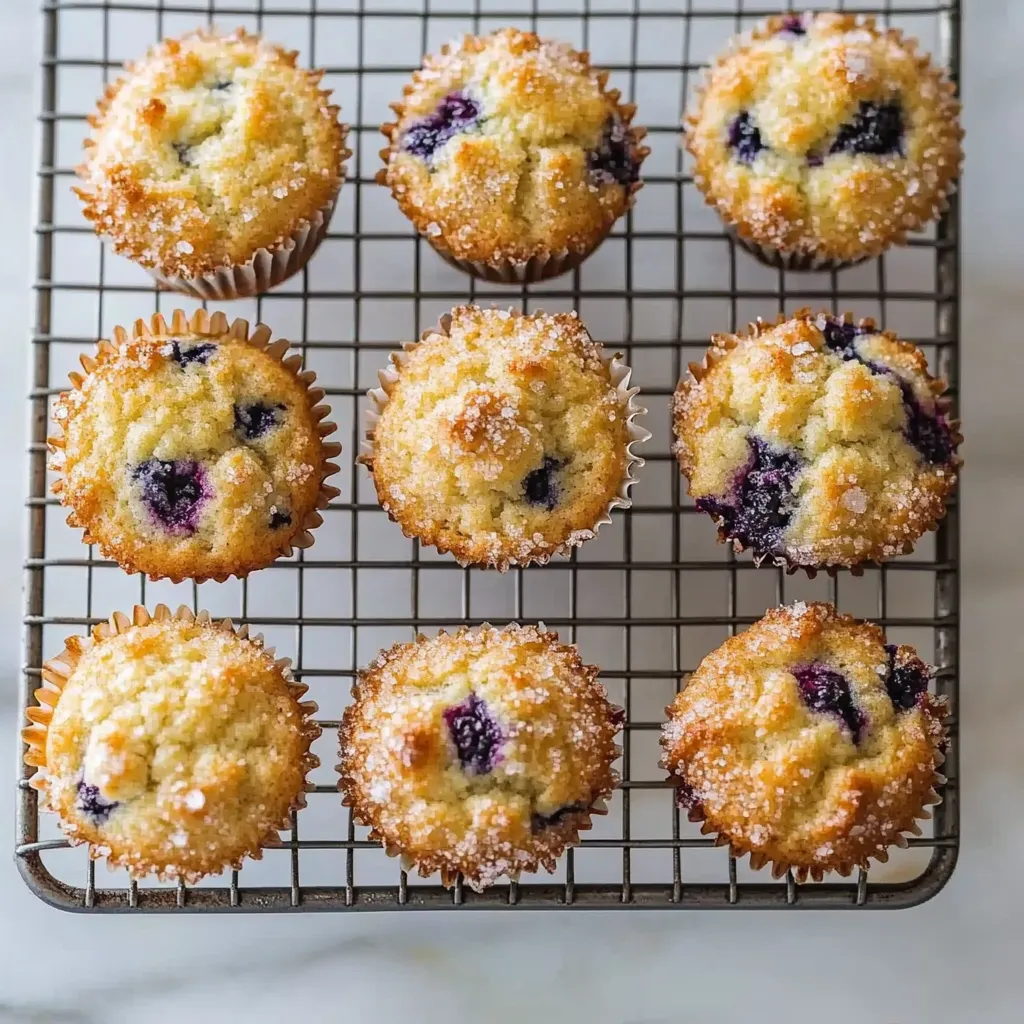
193	450
503	438
482	753
209	149
509	152
823	139
808	742
816	442
170	744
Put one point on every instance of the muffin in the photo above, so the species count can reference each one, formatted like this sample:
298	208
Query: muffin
817	442
808	742
215	164
823	139
511	157
194	450
481	754
171	745
503	438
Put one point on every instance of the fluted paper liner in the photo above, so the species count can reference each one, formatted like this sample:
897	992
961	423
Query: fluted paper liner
58	670
214	326
544	265
268	266
721	344
620	374
581	820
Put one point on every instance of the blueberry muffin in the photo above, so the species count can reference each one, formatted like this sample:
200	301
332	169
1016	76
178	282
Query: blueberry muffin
817	442
193	450
503	438
215	164
481	754
511	157
172	745
808	742
824	139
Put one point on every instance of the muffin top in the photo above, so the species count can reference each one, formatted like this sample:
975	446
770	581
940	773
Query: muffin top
509	147
807	741
175	746
504	437
193	450
825	135
816	441
481	753
210	148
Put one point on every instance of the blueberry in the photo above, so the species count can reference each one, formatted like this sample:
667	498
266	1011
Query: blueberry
91	802
928	433
454	114
540	487
476	735
254	420
841	338
792	25
613	160
173	492
828	692
686	798
758	508
904	683
539	822
185	153
278	518
745	138
201	353
876	128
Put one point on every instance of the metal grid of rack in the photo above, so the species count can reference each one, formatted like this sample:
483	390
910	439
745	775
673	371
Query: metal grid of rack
646	599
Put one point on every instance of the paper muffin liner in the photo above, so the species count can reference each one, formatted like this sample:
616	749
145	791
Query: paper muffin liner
214	326
801	872
265	269
569	827
804	262
57	671
546	264
721	345
620	374
798	262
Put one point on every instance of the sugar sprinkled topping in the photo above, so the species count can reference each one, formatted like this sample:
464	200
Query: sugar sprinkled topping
806	440
753	737
503	439
419	746
839	179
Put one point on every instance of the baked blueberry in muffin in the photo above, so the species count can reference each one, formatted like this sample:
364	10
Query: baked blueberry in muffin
171	745
503	438
483	753
817	442
807	742
215	164
193	449
824	139
511	157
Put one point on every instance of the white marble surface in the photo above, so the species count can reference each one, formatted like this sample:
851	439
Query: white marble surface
953	960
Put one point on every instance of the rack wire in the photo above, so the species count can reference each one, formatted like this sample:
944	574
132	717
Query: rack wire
647	599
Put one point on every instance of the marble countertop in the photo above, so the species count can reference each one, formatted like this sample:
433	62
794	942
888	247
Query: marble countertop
952	960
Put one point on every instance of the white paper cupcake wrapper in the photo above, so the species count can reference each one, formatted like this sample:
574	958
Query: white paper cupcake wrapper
266	268
620	374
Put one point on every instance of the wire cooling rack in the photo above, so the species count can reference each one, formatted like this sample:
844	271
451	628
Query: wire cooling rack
646	600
